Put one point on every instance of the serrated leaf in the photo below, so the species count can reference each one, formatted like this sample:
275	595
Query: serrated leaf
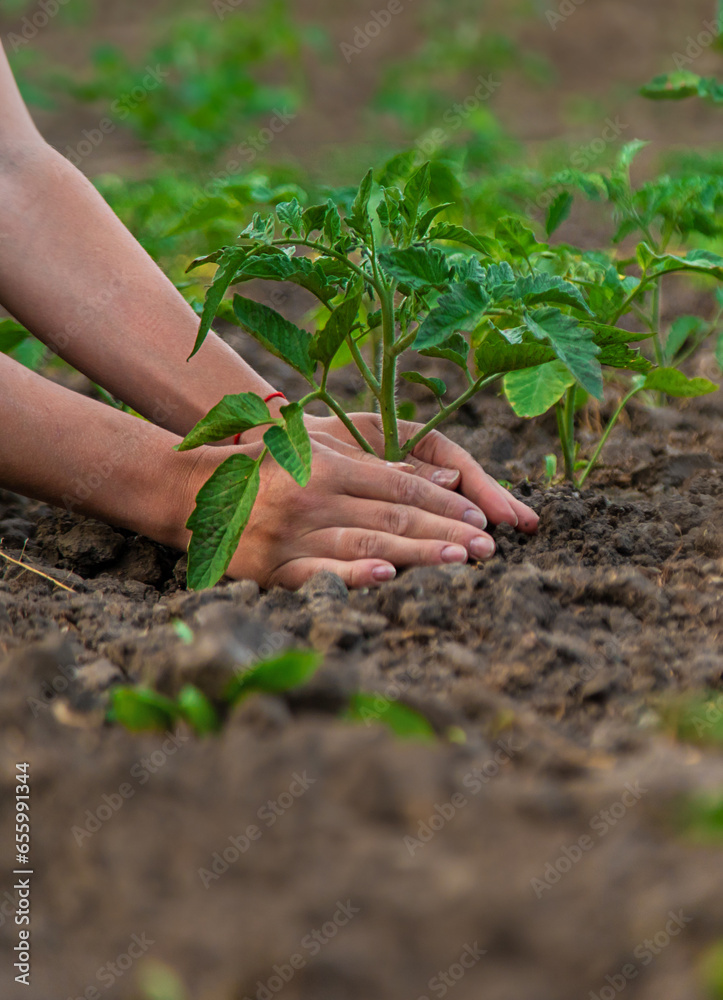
290	213
313	218
573	344
540	287
629	151
417	267
704	261
233	415
606	334
558	211
429	216
358	218
300	271
458	234
223	508
496	356
228	265
279	336
338	326
516	237
415	193
284	672
332	222
622	356
462	308
532	391
675	383
290	446
197	710
454	349
435	385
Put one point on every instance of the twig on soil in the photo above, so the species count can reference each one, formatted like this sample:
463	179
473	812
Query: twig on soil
31	569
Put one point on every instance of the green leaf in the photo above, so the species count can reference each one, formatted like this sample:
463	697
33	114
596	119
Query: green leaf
291	446
290	213
682	328
415	193
655	264
428	218
229	263
435	385
629	151
298	270
417	267
288	670
532	391
233	415
458	234
223	508
454	349
197	710
12	334
358	219
462	308
675	383
622	356
279	336
558	211
540	287
572	343
332	222
313	218
338	327
496	356
606	334
402	720
140	709
516	238
672	86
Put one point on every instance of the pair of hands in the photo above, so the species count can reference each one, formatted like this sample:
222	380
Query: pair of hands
362	517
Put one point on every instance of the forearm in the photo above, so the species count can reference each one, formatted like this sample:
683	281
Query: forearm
71	451
72	273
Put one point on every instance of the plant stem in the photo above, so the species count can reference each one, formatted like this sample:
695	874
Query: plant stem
387	396
566	429
348	423
606	434
655	325
480	383
361	364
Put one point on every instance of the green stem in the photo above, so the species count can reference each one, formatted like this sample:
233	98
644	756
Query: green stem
606	434
387	396
363	367
480	383
566	429
345	419
655	325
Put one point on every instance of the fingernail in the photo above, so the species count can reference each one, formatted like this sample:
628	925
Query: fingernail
445	477
481	547
402	466
476	518
454	554
382	573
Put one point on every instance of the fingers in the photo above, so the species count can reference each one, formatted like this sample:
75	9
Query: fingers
362	543
392	486
498	504
356	573
402	521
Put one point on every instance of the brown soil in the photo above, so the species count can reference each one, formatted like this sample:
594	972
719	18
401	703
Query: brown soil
556	656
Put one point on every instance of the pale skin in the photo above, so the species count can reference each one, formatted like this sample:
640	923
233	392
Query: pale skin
73	275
